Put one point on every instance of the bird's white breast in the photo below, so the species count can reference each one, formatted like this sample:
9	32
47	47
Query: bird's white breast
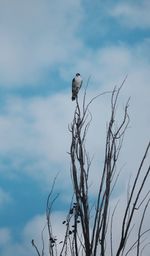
78	81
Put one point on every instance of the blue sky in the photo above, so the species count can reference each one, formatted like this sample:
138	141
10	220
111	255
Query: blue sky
42	45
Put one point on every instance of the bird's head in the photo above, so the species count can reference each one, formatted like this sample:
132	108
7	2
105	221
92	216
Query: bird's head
77	74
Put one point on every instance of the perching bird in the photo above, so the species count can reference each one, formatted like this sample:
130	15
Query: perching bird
76	85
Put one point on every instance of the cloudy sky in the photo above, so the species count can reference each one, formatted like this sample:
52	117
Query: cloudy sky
43	43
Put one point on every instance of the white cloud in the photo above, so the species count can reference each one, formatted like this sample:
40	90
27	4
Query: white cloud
34	132
34	227
35	138
34	36
121	202
133	14
39	125
5	236
32	230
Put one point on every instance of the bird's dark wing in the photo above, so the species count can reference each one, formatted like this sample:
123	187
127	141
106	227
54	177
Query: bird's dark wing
73	83
74	89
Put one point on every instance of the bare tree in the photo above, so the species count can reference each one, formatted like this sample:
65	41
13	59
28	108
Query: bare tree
88	228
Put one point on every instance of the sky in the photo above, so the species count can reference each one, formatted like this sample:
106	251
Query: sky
43	44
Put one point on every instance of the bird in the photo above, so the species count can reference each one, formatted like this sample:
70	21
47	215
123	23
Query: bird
76	85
